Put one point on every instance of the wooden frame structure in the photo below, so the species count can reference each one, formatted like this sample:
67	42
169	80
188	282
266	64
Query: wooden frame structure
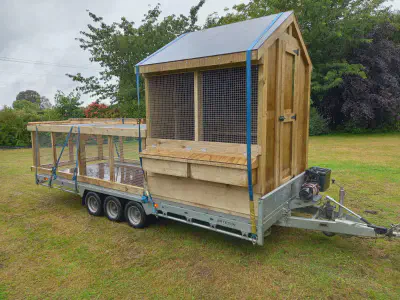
99	128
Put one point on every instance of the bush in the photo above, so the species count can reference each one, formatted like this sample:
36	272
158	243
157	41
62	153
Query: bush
318	125
13	127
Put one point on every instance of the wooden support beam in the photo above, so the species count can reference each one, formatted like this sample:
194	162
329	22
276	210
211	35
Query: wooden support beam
148	115
99	139
121	148
111	158
36	160
82	155
71	149
278	98
53	148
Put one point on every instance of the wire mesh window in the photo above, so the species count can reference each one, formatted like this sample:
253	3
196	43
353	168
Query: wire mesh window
171	103
223	98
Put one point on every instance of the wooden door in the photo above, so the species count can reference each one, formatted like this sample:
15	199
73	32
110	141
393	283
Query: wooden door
287	110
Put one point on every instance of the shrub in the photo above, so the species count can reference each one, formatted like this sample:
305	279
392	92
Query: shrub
318	125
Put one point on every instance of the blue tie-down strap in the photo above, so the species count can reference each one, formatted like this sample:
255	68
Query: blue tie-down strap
75	176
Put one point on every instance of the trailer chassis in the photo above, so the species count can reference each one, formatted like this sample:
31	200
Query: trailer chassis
275	208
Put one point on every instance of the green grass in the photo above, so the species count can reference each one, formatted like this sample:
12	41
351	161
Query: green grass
51	248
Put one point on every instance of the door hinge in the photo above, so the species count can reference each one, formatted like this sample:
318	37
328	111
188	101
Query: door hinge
281	118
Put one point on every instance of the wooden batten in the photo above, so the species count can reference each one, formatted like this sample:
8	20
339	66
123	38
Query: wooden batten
111	158
35	146
82	155
198	63
53	148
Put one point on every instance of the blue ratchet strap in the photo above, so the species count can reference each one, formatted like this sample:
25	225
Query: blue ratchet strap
75	177
54	168
248	122
36	155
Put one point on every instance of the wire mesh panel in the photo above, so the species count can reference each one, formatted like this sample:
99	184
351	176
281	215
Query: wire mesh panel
171	103
45	149
223	98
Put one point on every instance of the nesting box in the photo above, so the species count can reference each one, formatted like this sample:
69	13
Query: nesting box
196	113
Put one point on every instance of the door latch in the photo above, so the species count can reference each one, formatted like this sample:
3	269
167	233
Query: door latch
281	118
294	117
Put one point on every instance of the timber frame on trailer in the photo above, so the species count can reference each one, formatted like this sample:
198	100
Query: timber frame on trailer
227	117
103	130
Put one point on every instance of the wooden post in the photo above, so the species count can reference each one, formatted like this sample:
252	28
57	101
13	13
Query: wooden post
71	149
36	161
99	139
82	155
111	158
148	115
53	148
121	148
278	110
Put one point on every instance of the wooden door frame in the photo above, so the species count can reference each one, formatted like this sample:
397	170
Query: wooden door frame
284	47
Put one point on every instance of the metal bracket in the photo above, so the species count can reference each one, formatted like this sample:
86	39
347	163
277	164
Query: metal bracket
294	117
296	52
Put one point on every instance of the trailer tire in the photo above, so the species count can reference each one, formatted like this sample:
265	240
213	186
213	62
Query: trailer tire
94	204
113	208
135	215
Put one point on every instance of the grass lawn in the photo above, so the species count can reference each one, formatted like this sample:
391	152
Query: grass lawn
51	248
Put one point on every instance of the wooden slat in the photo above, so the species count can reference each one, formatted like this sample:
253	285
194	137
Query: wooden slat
99	140
121	148
148	115
53	148
111	158
204	62
71	149
230	161
278	100
36	160
132	132
82	155
201	146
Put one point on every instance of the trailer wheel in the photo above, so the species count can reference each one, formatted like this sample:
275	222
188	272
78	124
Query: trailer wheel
94	204
113	208
135	215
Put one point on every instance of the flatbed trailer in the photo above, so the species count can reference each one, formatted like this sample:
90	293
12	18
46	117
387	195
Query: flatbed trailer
224	145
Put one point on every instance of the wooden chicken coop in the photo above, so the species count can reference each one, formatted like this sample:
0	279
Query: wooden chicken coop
196	113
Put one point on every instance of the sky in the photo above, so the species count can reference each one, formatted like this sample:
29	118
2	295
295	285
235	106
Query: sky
45	31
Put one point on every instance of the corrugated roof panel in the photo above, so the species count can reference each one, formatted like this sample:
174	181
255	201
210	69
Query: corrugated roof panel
231	38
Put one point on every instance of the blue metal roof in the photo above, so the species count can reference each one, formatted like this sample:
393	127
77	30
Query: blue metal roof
231	38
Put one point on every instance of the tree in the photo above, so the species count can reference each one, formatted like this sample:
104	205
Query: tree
29	95
374	100
26	105
118	47
45	103
68	106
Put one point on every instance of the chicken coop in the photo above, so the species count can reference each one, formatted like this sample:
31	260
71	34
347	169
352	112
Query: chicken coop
225	106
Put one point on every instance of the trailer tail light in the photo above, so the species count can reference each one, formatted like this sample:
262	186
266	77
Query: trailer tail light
155	205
